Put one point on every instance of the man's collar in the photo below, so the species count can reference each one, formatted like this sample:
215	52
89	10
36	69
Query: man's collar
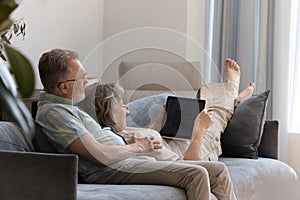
44	96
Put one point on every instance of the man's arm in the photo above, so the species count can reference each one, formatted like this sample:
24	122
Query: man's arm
87	147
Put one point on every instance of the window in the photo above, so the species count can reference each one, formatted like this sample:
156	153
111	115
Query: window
294	84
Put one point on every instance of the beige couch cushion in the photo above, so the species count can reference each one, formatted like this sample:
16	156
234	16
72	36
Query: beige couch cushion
141	79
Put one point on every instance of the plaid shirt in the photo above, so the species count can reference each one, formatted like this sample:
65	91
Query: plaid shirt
64	123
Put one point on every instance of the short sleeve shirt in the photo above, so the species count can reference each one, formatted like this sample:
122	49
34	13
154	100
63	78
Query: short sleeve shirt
63	123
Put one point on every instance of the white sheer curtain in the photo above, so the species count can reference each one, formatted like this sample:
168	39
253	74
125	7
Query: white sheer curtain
294	85
244	31
257	34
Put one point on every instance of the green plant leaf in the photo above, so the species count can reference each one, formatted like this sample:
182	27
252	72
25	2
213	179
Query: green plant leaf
22	71
6	8
7	79
16	110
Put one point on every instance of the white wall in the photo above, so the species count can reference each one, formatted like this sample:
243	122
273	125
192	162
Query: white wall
195	27
121	15
196	20
82	26
180	18
68	24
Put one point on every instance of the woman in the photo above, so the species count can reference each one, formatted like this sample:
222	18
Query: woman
110	111
221	99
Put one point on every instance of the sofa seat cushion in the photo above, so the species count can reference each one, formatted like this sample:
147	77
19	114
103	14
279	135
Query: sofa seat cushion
259	178
129	192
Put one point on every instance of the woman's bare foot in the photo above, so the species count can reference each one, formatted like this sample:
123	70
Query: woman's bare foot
232	72
247	92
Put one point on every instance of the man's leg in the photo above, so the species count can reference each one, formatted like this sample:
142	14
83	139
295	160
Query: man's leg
193	178
196	177
220	181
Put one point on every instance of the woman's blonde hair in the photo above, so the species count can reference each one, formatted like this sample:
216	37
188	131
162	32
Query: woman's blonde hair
107	97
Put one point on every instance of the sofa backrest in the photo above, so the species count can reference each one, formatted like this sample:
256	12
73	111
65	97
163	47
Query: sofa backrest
11	138
142	78
268	147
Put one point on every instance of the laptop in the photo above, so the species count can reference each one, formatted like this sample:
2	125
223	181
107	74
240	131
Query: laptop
180	116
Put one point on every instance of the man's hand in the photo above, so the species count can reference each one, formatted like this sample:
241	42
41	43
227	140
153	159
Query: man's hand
146	144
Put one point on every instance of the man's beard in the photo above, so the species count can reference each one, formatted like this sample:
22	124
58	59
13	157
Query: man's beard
79	98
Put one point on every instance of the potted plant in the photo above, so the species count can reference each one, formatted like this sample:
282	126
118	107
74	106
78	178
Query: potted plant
14	66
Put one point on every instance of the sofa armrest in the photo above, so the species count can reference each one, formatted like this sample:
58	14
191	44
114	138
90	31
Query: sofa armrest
29	175
269	142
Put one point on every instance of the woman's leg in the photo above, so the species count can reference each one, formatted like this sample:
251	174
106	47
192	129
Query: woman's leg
220	98
220	105
220	102
205	144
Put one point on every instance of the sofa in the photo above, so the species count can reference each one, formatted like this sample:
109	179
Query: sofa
27	173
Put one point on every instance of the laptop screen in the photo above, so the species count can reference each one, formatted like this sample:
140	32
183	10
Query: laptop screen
179	117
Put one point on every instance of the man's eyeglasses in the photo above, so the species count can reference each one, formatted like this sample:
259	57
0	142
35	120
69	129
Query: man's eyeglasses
69	80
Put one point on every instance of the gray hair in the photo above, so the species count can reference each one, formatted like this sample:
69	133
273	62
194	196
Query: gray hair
53	66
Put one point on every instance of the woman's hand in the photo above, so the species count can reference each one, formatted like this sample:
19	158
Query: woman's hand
146	144
203	120
201	124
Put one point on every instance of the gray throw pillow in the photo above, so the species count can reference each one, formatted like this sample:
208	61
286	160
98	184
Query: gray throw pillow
242	135
144	111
